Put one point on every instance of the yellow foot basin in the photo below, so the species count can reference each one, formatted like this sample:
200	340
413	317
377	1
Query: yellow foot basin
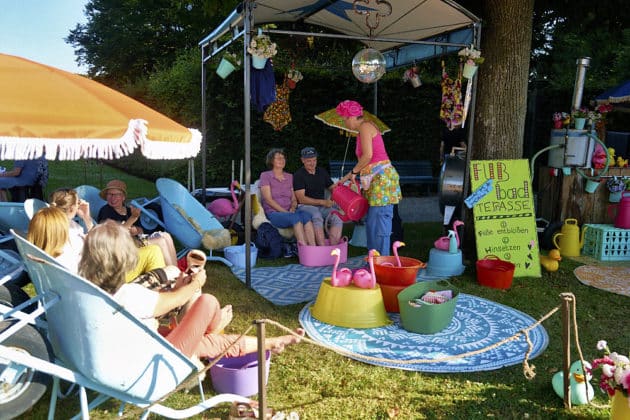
350	307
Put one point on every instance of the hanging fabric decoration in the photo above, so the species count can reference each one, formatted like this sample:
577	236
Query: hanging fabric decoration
278	113
467	99
263	87
451	110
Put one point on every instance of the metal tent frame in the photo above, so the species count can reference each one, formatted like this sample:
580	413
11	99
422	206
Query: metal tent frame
462	29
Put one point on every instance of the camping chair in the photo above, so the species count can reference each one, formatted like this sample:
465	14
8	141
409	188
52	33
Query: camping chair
188	220
100	346
12	216
32	205
91	195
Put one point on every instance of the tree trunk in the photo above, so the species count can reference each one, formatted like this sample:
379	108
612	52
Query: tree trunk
502	85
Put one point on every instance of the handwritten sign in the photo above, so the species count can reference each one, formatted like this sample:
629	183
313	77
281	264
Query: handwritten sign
505	221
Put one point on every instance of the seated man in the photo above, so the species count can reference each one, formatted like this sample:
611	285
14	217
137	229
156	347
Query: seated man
24	173
310	183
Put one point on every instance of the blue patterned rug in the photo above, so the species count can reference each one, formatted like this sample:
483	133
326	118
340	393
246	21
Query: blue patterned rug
293	283
477	323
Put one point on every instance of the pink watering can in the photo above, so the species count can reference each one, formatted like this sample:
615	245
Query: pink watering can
620	212
351	202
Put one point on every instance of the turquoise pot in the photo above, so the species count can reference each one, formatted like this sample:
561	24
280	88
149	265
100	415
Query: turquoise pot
259	62
225	68
579	123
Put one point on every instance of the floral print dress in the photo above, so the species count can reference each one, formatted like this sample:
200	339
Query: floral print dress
278	113
452	109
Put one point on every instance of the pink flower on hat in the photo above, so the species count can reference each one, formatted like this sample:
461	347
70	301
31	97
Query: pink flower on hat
349	108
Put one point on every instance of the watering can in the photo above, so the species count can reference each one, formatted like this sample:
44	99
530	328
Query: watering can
620	212
352	203
570	240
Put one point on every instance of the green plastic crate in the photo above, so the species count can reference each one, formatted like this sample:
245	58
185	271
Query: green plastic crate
606	242
427	318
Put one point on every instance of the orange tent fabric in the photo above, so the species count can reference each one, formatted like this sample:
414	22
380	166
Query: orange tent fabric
69	117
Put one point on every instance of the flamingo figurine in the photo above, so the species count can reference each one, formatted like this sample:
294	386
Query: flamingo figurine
395	247
443	242
363	278
222	207
341	277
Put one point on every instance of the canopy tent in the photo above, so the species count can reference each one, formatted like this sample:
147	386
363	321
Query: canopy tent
403	30
615	95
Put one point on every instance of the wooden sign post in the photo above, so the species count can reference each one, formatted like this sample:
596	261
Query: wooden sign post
505	220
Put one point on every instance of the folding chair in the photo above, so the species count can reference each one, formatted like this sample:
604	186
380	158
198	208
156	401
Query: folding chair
179	208
99	346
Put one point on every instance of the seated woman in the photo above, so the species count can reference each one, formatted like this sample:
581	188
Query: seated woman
66	199
115	192
109	251
279	202
49	230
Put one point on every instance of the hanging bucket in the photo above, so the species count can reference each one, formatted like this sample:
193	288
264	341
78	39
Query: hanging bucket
469	70
353	204
225	68
259	62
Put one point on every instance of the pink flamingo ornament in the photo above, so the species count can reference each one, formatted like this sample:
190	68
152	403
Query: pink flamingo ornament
395	247
442	243
363	278
341	277
222	207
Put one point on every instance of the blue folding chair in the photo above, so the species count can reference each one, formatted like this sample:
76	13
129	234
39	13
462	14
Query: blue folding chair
99	346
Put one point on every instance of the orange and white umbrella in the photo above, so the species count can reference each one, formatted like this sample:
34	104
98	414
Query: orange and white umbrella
69	117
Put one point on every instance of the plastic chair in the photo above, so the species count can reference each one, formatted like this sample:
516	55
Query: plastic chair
32	205
13	216
91	195
174	197
99	346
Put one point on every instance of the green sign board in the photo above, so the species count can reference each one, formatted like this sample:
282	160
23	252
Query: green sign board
505	220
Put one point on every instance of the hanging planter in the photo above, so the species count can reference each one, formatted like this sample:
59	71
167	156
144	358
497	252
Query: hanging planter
412	77
228	64
471	59
293	77
261	48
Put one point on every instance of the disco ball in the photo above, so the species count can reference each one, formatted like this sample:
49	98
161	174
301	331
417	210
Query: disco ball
368	65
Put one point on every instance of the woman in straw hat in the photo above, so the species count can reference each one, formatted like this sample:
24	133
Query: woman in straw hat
379	179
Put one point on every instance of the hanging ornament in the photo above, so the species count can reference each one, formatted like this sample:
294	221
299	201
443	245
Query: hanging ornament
368	65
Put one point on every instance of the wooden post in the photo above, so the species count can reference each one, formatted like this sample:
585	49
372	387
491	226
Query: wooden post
262	367
566	348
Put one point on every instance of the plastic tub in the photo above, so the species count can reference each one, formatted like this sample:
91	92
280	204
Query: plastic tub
427	318
390	296
387	271
350	307
316	256
495	272
238	375
236	255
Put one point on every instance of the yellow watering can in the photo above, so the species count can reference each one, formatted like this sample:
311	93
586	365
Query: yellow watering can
570	240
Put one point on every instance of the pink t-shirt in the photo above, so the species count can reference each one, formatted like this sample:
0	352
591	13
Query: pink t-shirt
378	149
281	191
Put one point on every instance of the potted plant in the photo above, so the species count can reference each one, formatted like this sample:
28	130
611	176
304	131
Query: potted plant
293	76
411	76
614	379
471	58
579	118
261	48
229	62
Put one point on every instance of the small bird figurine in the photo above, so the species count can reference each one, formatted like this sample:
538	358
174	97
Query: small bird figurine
341	277
551	262
363	278
621	162
580	394
611	156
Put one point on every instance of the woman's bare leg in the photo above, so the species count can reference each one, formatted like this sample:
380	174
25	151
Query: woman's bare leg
165	242
298	231
309	233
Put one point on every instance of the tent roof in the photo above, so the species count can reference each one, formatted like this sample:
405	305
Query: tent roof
434	24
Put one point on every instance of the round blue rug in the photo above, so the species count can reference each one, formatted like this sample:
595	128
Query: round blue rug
477	323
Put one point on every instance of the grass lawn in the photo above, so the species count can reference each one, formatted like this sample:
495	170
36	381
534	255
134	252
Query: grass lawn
320	384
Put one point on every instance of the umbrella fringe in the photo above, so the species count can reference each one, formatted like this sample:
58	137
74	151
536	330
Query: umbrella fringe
25	148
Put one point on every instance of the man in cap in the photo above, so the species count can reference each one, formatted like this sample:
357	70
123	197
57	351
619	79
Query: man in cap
310	183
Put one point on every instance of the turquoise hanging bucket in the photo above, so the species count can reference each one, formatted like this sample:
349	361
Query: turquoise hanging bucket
225	68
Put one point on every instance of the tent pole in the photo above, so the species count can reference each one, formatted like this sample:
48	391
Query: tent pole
248	4
375	99
204	129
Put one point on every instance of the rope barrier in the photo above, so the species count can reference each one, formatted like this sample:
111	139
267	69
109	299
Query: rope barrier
528	369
